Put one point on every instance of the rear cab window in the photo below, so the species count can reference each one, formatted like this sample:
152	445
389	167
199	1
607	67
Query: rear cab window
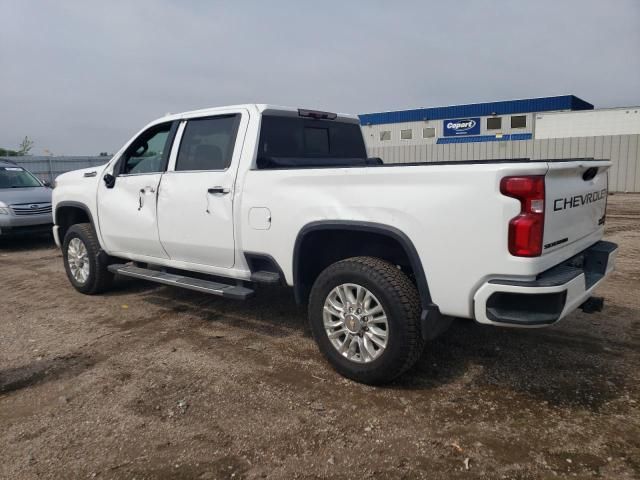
299	142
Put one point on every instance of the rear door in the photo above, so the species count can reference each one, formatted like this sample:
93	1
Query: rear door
195	202
576	200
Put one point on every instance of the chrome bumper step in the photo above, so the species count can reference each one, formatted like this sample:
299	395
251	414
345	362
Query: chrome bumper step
235	292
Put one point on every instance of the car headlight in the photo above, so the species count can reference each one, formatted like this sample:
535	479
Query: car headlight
4	211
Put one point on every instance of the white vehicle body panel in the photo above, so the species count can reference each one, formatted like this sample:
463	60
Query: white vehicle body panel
441	209
128	216
453	214
196	226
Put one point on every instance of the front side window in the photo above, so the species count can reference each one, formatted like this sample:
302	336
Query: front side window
494	123
148	152
207	143
406	134
385	135
17	177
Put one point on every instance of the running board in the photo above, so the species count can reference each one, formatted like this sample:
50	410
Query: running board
206	286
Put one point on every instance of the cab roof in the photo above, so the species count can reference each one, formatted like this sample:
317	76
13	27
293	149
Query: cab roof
259	108
7	163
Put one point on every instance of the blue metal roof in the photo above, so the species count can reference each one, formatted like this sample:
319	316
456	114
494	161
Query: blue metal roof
545	104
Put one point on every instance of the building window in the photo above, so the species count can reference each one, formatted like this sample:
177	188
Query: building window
385	135
519	121
494	123
428	132
406	134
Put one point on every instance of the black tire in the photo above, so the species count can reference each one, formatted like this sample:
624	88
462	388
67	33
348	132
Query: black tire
99	278
401	303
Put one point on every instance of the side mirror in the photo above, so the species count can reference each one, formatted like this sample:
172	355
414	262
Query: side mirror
46	183
109	180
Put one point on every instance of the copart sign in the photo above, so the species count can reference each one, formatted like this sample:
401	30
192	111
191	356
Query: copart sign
461	126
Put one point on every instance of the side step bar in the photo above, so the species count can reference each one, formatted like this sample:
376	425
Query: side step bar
206	286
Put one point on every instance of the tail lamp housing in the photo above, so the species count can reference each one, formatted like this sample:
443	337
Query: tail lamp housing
526	229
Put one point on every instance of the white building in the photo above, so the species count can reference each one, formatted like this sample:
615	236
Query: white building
540	128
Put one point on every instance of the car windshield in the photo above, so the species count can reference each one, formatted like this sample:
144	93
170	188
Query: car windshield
17	177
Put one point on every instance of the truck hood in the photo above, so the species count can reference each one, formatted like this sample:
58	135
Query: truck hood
79	174
12	196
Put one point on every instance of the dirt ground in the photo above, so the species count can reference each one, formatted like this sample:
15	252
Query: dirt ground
151	382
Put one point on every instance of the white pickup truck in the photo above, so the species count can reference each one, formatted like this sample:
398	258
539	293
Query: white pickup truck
222	199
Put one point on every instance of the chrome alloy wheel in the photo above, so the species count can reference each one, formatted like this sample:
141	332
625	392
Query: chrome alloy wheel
78	259
356	323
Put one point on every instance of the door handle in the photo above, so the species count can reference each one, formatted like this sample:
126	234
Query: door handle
218	189
143	192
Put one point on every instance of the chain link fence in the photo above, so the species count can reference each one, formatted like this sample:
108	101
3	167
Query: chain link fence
49	167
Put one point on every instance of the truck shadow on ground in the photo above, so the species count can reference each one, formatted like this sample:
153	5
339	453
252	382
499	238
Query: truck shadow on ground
559	365
562	365
22	243
38	372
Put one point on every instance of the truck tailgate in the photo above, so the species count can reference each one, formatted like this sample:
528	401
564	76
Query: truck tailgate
575	201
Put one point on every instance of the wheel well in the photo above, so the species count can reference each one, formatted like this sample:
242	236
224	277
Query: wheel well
318	248
70	215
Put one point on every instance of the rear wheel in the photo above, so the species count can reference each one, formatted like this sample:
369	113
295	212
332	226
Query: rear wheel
364	314
84	261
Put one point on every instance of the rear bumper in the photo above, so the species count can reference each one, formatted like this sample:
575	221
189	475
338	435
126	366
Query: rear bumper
551	296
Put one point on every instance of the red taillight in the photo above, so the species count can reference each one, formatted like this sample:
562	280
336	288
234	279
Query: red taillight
525	230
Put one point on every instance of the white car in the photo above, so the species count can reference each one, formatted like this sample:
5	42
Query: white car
220	199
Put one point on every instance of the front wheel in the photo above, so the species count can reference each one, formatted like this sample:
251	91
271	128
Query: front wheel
84	261
364	314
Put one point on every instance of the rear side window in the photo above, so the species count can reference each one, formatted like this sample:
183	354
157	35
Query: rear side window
292	142
207	143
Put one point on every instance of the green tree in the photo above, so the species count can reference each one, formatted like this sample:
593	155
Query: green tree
4	152
25	146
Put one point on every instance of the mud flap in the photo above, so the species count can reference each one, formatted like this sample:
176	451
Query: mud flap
433	323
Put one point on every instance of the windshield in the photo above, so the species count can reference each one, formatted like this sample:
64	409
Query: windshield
17	177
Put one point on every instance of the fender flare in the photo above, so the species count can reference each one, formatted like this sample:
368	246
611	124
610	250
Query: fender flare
74	204
85	209
370	227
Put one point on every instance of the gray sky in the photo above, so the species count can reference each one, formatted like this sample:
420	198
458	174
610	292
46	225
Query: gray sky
80	77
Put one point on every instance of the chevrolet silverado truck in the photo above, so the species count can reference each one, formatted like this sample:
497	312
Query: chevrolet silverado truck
221	200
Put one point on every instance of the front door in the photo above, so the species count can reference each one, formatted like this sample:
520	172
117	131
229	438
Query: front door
127	211
195	203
